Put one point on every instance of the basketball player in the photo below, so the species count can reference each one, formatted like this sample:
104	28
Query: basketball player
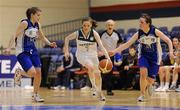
110	39
149	55
27	55
87	39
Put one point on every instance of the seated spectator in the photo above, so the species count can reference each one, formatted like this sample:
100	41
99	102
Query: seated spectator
176	45
66	70
164	74
130	69
177	68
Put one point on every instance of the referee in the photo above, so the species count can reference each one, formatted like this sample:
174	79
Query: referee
110	39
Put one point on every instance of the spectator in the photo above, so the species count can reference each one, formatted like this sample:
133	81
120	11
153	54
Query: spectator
130	68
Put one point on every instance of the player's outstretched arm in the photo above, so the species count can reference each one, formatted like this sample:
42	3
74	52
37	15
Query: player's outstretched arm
125	45
98	39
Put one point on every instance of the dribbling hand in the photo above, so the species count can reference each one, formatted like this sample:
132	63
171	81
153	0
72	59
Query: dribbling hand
111	53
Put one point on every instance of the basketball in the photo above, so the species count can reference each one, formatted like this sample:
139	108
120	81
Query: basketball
105	66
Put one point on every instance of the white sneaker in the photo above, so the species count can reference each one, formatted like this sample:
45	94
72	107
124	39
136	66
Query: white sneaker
85	88
140	98
17	77
101	97
172	88
164	89
63	88
37	98
178	89
159	89
150	89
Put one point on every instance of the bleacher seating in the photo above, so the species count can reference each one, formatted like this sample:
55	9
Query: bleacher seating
60	43
175	28
120	31
100	31
131	31
72	43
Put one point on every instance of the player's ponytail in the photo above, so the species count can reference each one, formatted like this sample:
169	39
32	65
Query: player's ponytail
94	24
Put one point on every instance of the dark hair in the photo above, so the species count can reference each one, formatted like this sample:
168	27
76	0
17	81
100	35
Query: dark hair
176	37
147	18
31	10
93	22
132	47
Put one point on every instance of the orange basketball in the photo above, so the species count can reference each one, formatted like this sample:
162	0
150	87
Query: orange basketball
105	66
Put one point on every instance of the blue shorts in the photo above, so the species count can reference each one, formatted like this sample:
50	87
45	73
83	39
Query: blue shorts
28	60
151	66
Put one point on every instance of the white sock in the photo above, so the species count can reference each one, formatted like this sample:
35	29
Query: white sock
173	83
167	84
161	84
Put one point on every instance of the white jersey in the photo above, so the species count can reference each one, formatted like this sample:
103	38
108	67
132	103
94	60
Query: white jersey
110	42
86	45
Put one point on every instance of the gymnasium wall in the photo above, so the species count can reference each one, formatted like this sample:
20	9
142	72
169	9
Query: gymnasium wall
127	12
54	11
100	3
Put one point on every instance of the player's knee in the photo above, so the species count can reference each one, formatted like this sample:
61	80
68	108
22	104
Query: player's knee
38	72
89	67
31	72
143	76
96	70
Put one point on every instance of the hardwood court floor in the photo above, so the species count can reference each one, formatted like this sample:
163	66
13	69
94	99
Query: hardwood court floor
19	96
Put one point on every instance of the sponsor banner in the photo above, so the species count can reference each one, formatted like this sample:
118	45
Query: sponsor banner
9	82
8	65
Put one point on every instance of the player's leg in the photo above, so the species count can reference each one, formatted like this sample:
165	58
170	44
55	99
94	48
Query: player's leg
37	77
28	69
143	80
143	64
152	72
93	65
83	60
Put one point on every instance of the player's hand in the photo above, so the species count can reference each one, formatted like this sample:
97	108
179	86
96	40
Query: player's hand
111	53
100	53
7	51
66	55
53	45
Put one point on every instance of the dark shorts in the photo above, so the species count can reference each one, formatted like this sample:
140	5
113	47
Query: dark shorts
151	66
